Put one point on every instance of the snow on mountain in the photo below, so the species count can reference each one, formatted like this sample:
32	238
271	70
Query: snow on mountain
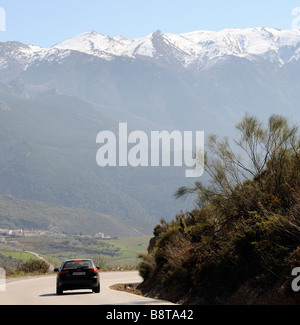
95	44
14	58
267	43
264	43
195	49
152	45
17	51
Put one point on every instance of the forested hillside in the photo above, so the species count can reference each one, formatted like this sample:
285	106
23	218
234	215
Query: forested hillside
242	241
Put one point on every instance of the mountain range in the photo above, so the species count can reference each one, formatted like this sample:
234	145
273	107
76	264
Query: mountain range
195	50
54	101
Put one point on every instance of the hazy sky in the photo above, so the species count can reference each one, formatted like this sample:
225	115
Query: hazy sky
45	23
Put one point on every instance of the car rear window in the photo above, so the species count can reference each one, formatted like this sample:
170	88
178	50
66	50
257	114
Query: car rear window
71	265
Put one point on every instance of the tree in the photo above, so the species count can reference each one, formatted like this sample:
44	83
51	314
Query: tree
268	155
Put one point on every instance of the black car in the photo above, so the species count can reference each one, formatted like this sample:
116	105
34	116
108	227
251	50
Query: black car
77	274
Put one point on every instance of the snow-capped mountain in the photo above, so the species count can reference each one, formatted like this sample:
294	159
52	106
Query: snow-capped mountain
95	44
152	71
199	49
194	47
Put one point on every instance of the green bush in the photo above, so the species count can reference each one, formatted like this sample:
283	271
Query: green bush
34	266
147	266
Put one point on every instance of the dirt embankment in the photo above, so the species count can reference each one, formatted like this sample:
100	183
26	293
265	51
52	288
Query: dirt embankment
248	294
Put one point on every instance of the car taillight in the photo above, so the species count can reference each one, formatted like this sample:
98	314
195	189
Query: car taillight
64	272
94	270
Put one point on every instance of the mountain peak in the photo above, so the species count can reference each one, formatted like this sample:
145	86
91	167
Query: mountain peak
92	32
194	49
157	33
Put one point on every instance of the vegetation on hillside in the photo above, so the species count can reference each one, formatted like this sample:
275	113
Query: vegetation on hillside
118	253
242	240
20	263
16	213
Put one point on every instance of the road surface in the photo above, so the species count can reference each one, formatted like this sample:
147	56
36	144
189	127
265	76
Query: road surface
42	291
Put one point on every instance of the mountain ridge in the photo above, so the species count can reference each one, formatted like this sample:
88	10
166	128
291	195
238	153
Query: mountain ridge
189	50
194	45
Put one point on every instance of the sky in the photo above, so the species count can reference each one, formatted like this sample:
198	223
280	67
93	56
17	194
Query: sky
46	23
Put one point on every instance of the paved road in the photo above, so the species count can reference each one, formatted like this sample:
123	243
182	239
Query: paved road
41	291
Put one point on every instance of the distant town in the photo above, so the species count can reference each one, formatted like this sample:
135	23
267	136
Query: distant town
43	233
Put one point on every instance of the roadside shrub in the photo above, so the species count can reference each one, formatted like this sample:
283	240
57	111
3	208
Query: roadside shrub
34	266
147	266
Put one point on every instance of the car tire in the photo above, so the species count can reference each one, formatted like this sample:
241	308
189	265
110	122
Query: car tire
97	289
59	291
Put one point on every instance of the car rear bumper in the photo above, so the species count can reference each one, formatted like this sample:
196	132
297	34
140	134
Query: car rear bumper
73	284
